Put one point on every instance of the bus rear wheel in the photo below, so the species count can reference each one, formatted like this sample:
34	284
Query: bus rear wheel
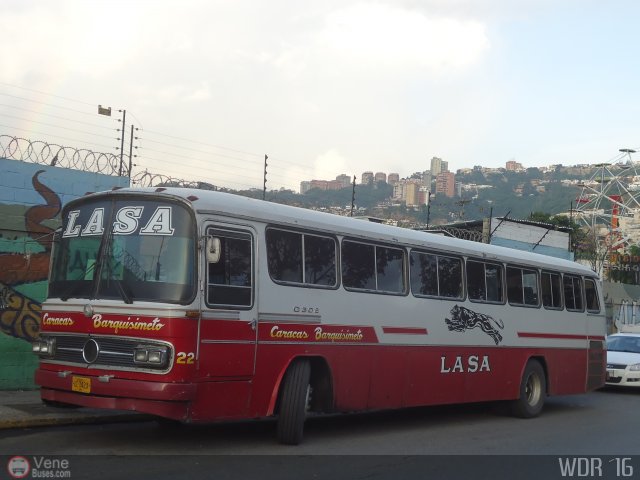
533	391
294	400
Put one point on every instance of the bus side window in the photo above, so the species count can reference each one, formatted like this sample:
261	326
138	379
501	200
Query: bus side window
573	292
551	290
301	258
284	255
389	269
591	296
522	286
436	275
514	286
372	267
229	279
484	282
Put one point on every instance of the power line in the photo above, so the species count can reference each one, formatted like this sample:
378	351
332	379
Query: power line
296	168
54	126
194	150
222	178
258	161
55	116
45	93
200	177
48	104
203	143
185	167
55	136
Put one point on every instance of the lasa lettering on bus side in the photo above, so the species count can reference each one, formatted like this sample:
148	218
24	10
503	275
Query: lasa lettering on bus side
463	319
470	364
126	222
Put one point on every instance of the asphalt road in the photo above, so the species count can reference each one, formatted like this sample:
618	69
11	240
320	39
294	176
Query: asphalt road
602	424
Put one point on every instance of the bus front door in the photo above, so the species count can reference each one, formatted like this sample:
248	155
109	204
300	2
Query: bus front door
228	329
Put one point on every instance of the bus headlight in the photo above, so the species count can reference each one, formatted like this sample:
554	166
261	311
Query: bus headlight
151	355
44	346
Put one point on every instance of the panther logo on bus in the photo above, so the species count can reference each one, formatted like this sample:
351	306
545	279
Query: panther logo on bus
463	319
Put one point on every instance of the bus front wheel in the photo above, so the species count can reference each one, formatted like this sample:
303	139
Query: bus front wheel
294	401
533	391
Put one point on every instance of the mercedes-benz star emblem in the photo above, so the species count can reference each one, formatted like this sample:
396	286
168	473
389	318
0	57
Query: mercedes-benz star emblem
90	351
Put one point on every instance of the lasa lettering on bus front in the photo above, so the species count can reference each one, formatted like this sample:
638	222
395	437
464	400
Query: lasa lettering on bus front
126	222
463	319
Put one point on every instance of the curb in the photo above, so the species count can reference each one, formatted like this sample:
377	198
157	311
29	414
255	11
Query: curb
71	419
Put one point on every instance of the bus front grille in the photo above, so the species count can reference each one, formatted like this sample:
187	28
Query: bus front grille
108	352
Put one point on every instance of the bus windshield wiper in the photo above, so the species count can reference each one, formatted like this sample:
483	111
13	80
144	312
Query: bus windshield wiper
127	297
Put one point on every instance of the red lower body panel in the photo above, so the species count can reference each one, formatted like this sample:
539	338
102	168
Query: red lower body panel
363	377
169	400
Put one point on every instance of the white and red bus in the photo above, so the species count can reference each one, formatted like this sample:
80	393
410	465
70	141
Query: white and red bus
200	306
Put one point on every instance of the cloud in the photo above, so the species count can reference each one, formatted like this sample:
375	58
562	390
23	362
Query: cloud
330	161
336	86
368	37
202	93
385	35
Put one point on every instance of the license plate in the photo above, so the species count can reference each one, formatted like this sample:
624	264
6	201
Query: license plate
81	384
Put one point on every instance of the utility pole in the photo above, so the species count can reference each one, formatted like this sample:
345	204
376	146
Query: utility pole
131	151
264	178
353	196
428	207
462	203
571	226
124	116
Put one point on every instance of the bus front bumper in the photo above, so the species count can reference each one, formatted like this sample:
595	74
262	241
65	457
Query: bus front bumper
169	400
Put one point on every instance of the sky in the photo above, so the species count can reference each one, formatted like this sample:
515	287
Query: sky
324	87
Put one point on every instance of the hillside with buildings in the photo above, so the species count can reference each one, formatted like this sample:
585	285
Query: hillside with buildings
438	196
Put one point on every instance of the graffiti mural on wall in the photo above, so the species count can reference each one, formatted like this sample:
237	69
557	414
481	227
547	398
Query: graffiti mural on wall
20	315
31	198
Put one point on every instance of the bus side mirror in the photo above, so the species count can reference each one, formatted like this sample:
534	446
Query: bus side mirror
214	249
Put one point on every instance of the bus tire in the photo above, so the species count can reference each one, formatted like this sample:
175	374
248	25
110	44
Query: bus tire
294	400
533	391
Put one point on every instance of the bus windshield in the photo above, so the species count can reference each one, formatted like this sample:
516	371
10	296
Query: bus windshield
112	248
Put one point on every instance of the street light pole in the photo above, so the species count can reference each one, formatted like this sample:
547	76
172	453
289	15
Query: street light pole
106	111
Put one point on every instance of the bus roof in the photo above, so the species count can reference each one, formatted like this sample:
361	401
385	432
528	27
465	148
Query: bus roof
237	206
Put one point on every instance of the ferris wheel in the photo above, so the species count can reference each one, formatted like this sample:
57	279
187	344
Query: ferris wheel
610	199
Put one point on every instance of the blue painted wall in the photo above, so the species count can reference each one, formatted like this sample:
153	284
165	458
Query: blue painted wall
31	197
528	247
